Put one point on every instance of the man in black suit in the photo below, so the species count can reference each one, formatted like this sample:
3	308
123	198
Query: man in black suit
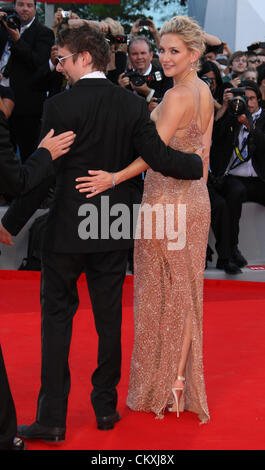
237	151
112	126
17	179
22	52
140	56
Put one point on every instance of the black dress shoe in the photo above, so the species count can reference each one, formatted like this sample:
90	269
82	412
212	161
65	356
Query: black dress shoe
228	266
105	423
13	444
238	258
38	431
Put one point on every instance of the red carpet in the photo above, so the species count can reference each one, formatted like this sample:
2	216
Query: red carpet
234	350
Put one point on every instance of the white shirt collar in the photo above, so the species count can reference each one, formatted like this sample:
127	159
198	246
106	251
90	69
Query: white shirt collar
96	74
148	71
26	26
257	114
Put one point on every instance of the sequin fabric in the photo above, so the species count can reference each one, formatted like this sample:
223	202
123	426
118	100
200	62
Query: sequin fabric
168	289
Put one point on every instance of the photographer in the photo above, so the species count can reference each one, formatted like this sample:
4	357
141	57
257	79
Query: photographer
61	18
145	79
118	47
210	74
145	24
25	45
237	164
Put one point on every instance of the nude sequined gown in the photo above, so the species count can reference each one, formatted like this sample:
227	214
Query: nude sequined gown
168	291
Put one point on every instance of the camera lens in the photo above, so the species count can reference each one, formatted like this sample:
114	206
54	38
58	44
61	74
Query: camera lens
238	106
137	80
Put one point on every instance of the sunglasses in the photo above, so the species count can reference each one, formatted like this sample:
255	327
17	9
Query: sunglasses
60	60
254	60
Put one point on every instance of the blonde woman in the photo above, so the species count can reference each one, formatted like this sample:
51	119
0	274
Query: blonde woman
167	361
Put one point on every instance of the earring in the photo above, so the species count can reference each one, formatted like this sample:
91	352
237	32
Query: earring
191	66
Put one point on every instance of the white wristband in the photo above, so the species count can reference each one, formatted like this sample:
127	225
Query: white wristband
150	95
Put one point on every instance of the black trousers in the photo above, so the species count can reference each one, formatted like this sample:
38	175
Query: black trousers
8	418
227	208
220	223
105	273
25	132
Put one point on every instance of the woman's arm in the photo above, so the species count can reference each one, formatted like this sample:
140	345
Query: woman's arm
100	181
211	39
207	144
227	96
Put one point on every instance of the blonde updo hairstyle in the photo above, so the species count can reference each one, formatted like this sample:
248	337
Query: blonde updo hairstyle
188	30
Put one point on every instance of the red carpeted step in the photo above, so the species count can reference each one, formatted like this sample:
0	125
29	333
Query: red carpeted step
234	347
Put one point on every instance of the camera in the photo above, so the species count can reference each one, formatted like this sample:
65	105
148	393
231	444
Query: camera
138	80
119	39
144	22
66	14
207	80
12	19
239	103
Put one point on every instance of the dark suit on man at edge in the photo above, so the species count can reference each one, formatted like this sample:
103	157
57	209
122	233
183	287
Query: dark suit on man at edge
16	179
29	49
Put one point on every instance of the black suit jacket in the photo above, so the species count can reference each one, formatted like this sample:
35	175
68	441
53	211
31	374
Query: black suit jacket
29	53
14	178
160	86
48	81
225	133
111	125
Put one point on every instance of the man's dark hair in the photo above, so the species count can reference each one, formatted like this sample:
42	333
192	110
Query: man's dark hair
250	85
35	2
236	55
86	38
209	66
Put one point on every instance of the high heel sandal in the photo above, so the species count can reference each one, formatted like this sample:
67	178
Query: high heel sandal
179	402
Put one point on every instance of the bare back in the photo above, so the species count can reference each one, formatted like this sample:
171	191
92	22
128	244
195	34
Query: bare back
192	130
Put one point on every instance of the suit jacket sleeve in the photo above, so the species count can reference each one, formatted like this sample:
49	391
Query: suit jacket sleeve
24	207
37	55
46	79
14	178
257	137
221	128
160	158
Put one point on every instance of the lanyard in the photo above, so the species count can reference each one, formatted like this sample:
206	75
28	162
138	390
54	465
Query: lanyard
239	152
235	163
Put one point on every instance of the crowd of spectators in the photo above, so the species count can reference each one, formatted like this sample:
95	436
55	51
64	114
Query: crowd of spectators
237	168
237	173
